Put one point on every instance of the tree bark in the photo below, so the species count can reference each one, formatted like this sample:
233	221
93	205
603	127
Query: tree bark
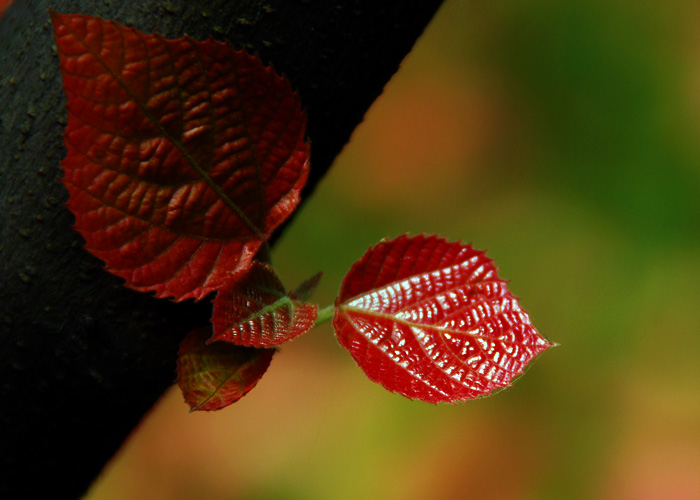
82	358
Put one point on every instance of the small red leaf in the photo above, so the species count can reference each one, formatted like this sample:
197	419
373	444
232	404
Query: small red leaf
431	320
255	310
183	156
212	376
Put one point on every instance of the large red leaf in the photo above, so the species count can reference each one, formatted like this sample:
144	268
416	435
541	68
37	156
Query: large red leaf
431	320
183	156
254	309
212	376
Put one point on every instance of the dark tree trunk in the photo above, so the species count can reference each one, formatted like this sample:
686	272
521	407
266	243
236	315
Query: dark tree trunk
82	358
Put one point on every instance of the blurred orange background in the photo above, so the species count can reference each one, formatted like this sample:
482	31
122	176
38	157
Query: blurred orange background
561	137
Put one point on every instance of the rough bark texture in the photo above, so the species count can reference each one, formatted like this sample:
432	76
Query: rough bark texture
82	358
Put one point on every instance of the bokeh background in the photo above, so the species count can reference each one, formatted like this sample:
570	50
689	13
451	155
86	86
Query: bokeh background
561	137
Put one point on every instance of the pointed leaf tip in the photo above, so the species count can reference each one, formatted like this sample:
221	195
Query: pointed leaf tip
304	291
213	376
431	320
254	309
182	156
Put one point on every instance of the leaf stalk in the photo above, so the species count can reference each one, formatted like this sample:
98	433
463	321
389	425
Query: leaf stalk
325	315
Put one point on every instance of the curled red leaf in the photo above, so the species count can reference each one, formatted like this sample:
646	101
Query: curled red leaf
431	320
183	156
213	376
254	309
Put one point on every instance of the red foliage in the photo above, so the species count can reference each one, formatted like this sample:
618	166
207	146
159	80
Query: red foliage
212	376
431	320
255	310
183	156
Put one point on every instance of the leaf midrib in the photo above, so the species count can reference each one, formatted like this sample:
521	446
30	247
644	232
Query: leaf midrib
282	301
231	374
411	324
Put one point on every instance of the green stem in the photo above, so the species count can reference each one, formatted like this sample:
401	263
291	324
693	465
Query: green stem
325	315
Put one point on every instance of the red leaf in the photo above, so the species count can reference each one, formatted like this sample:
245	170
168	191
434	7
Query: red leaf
431	320
212	376
254	309
183	156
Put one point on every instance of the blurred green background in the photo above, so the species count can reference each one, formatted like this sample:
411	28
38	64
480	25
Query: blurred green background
561	137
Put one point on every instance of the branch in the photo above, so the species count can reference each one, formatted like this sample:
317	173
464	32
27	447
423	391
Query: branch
83	358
